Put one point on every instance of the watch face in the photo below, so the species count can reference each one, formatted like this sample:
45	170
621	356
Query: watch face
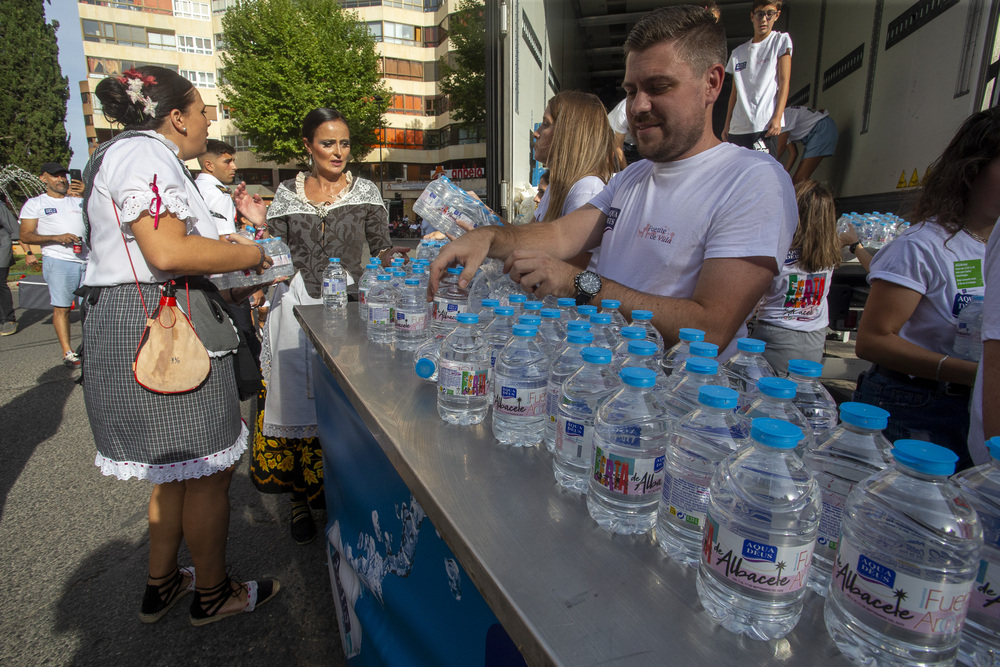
590	282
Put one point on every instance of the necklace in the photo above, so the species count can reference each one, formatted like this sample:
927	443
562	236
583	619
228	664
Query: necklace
974	235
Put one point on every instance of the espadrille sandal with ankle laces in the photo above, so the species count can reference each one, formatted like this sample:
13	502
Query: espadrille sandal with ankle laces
207	603
160	598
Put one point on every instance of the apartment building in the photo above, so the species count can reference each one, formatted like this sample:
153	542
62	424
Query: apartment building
419	139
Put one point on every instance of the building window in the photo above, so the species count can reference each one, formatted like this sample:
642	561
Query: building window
199	79
187	9
221	6
435	106
415	5
375	29
400	33
411	105
404	138
226	112
200	45
127	35
165	41
220	41
102	67
473	135
351	4
88	120
239	142
397	68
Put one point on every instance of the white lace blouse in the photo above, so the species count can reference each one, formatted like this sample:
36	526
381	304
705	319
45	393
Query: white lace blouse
124	178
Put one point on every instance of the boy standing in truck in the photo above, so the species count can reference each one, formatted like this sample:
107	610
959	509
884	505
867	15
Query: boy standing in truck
761	70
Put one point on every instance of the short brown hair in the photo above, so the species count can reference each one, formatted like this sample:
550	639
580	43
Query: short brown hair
701	39
765	3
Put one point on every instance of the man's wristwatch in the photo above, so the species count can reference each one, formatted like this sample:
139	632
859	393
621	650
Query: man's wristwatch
588	284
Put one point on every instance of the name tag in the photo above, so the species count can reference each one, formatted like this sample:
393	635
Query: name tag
741	66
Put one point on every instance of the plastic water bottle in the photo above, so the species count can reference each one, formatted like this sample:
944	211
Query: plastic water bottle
582	394
530	307
644	319
853	451
411	315
611	306
463	374
906	564
577	325
746	367
776	399
520	378
604	331
969	334
552	332
628	334
980	644
760	528
811	396
503	288
365	284
486	313
682	398
630	440
675	357
698	348
584	312
567	307
381	315
426	358
449	301
566	361
695	445
334	285
499	331
516	301
642	354
282	258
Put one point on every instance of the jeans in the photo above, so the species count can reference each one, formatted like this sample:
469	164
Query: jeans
920	412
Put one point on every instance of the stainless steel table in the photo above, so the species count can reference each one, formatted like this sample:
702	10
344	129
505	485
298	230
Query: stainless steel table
568	592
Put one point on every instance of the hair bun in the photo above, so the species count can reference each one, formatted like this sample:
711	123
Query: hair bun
117	106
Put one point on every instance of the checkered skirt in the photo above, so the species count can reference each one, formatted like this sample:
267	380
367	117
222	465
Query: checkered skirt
139	433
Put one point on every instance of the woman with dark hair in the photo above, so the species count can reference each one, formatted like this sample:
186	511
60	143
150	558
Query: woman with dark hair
325	212
148	225
921	282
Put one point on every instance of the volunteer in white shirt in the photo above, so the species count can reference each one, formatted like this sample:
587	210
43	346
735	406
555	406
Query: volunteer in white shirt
818	134
218	169
986	393
920	283
54	220
694	233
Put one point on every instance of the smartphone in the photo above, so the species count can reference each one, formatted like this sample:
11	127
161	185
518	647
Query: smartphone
75	175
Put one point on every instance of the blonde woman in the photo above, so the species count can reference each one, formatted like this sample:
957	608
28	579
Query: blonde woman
792	315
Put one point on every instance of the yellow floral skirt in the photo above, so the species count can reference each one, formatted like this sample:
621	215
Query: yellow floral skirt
285	465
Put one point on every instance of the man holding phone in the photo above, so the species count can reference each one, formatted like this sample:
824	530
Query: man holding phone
54	220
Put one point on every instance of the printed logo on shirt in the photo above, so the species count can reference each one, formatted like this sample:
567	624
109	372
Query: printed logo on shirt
962	299
741	66
804	296
612	219
51	211
651	233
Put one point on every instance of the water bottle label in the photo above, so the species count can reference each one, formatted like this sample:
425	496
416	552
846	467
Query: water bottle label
686	501
931	607
411	321
835	491
462	379
628	475
520	399
447	311
338	286
753	565
362	296
380	315
986	594
281	260
574	439
326	287
552	396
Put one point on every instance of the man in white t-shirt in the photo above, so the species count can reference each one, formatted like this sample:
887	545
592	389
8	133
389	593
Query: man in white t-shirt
218	170
54	221
694	233
761	70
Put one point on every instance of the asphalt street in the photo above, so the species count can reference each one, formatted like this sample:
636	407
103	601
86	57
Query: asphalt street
74	543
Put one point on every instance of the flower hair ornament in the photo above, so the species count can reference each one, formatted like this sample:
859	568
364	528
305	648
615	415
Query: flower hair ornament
134	82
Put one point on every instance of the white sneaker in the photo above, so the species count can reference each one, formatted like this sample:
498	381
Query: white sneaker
71	359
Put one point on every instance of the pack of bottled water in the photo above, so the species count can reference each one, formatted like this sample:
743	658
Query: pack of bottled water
874	229
281	267
444	205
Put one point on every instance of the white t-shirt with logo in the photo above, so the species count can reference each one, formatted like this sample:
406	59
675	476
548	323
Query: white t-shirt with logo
664	219
799	121
58	216
755	74
579	194
796	299
220	202
991	331
946	272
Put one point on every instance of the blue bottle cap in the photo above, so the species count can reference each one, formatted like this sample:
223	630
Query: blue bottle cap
642	348
503	311
530	320
566	302
702	349
384	278
468	318
702	366
411	281
777	387
524	331
633	333
424	368
600	318
750	345
491	303
775	433
397	261
399	273
690	335
551	313
610	303
642	315
578	325
517	298
638	377
924	457
715	396
418	270
807	368
863	415
455	270
580	337
586	310
335	260
596	355
533	305
993	444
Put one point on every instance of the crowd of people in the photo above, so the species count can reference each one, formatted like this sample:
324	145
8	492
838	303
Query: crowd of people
700	231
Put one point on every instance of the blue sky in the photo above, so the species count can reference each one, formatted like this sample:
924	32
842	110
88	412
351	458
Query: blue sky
74	66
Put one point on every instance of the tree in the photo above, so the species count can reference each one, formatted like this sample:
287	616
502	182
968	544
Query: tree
33	91
463	71
284	58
